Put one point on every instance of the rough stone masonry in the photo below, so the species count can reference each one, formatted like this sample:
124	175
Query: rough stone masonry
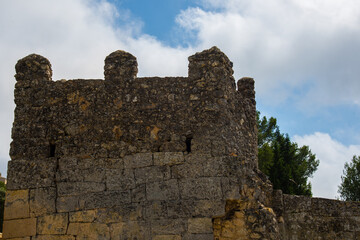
170	158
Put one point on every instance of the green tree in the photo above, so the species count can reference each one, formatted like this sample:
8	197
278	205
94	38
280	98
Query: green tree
287	165
349	188
2	202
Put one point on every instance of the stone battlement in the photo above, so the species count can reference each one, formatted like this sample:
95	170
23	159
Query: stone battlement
125	114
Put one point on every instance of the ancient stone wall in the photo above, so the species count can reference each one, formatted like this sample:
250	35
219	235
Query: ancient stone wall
148	158
318	218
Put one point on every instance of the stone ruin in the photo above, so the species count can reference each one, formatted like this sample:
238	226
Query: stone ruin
171	158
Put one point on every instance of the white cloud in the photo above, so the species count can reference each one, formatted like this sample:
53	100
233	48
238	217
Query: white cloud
283	44
332	155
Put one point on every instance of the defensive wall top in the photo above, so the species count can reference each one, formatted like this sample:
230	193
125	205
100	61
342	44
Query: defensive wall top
202	112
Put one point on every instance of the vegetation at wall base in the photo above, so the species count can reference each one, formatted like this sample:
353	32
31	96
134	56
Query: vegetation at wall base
287	165
2	202
349	188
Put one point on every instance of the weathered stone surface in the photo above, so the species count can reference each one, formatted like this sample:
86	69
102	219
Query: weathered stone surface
167	237
205	208
168	158
156	210
77	188
200	188
315	218
126	212
92	201
130	230
138	160
53	237
12	229
81	175
105	199
25	174
168	226
68	203
23	238
206	236
120	66
42	201
181	208
83	216
166	190
152	174
120	179
33	67
200	225
53	224
138	194
16	204
89	231
230	188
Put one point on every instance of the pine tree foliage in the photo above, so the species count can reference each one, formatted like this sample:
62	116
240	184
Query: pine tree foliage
287	165
349	188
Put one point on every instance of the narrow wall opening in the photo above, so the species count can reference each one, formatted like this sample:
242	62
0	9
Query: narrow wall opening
188	143
52	149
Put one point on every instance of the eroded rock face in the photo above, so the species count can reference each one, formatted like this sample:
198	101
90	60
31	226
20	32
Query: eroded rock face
140	158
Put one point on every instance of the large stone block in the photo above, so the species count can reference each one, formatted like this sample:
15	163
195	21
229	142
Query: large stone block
16	204
180	208
205	208
294	203
200	236
81	175
200	188
152	174
25	174
53	237
138	160
68	203
12	228
68	163
200	225
125	212
22	238
138	194
168	158
78	188
187	171
92	201
42	201
168	226
166	190
53	224
120	179
167	237
105	199
130	230
84	231
83	216
156	210
230	188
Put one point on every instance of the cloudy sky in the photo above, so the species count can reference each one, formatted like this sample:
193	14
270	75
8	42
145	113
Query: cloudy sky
303	55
